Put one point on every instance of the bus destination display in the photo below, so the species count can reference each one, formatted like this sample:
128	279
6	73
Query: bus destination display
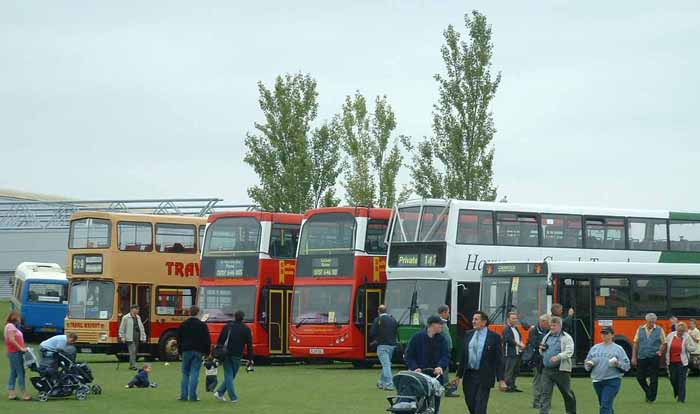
325	266
230	268
417	260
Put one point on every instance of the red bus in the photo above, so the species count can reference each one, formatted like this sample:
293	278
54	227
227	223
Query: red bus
340	281
248	264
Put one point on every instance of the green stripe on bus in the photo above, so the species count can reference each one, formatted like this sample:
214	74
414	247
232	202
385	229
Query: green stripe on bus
407	331
679	257
684	216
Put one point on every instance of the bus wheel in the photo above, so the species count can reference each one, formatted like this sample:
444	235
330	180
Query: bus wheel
167	347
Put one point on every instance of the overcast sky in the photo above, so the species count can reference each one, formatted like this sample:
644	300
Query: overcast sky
598	104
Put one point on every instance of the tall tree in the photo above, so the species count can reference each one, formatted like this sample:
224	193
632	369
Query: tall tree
463	126
374	157
291	164
326	166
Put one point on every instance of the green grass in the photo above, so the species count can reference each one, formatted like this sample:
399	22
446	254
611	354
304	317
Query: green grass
307	389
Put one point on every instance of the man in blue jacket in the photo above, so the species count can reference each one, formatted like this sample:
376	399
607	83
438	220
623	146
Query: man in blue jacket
427	349
481	364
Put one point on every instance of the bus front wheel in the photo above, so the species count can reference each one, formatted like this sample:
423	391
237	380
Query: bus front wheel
167	347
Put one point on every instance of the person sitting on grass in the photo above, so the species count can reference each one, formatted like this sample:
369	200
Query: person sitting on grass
141	379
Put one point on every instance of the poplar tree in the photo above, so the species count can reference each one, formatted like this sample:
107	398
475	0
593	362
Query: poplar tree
457	161
373	154
297	167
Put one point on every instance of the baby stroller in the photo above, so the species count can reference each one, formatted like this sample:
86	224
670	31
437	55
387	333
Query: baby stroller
416	393
60	376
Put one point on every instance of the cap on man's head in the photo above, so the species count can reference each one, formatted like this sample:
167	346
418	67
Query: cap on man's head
607	330
434	319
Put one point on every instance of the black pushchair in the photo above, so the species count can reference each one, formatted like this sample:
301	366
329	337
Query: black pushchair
60	376
417	393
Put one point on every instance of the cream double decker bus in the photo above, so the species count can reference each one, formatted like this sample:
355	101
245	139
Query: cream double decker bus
119	259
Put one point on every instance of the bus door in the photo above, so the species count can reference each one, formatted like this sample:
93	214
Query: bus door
373	298
143	299
279	302
576	293
467	304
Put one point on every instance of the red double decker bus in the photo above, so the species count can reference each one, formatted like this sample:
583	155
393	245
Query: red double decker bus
248	264
340	280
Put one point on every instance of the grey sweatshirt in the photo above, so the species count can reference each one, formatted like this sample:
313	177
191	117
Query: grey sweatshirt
600	354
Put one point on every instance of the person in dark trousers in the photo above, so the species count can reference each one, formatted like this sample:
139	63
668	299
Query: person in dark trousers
384	332
235	337
649	345
141	379
557	348
427	349
513	347
481	364
211	369
443	312
132	331
567	322
680	346
193	344
534	338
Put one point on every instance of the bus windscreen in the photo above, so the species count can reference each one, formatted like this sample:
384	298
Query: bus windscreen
232	236
322	304
328	233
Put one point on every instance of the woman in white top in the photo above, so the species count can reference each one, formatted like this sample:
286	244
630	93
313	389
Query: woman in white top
679	345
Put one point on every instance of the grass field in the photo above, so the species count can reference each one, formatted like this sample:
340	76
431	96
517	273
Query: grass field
308	389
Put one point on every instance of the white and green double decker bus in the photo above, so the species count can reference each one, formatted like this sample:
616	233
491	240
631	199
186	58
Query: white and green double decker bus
438	248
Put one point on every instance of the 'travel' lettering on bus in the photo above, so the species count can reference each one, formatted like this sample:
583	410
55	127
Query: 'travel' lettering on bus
182	269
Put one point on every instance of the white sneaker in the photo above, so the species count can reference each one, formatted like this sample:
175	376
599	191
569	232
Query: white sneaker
219	397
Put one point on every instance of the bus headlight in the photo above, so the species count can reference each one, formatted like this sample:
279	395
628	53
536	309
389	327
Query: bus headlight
103	337
83	263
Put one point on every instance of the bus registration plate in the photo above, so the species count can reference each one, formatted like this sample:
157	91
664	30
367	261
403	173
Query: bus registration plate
86	350
316	351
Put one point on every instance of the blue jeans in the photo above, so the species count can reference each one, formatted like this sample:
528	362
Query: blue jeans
384	353
607	391
16	371
191	364
231	366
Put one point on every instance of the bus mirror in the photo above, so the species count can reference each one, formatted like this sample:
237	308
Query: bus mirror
550	289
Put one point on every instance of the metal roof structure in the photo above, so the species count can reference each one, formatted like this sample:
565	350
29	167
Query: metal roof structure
55	214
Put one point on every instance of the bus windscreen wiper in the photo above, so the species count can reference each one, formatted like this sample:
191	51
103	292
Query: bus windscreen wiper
301	322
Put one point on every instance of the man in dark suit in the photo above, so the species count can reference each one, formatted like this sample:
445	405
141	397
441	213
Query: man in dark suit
512	348
481	364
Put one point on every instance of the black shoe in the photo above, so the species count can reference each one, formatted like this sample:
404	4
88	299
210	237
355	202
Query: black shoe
133	368
516	390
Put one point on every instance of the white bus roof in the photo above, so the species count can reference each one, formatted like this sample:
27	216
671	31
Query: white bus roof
34	270
537	208
613	268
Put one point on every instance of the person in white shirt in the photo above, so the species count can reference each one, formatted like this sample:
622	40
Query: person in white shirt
694	333
513	347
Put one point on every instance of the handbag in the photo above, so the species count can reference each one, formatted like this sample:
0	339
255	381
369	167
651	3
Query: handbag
221	350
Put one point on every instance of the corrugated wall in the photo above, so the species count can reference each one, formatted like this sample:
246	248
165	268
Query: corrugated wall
29	246
5	285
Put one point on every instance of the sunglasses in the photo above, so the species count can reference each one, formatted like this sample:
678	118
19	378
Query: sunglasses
605	333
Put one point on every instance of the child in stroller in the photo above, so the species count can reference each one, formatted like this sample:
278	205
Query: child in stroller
60	376
416	393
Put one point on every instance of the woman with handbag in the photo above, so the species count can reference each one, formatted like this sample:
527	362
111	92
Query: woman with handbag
14	342
229	349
